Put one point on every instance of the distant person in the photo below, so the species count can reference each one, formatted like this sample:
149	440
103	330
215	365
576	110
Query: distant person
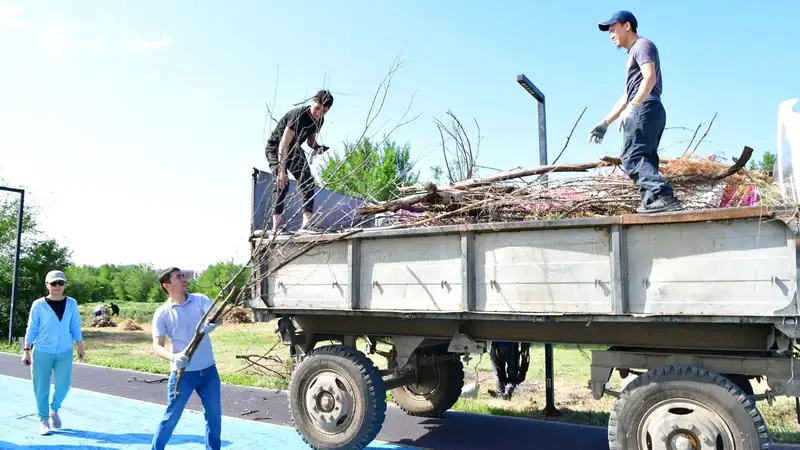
643	116
54	323
505	365
100	310
177	320
284	153
114	309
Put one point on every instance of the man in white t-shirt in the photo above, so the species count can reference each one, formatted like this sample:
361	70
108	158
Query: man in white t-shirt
177	319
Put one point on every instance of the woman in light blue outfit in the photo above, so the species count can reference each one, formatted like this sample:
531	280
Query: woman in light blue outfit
53	324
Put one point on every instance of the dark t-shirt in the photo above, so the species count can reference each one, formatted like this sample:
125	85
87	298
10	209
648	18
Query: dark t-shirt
58	306
642	51
298	120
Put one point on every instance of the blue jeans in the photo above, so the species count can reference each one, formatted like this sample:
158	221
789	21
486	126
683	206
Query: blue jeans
45	366
640	159
206	383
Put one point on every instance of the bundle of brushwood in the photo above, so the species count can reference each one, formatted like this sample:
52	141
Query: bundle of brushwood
700	182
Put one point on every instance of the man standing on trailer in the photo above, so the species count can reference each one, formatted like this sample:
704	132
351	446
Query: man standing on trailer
642	114
284	153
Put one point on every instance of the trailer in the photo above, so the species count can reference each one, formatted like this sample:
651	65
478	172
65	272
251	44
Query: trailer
695	303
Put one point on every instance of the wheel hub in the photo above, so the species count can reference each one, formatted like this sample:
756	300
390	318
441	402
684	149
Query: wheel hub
329	402
682	424
428	382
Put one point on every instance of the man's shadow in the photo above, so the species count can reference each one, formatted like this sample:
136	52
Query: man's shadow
129	438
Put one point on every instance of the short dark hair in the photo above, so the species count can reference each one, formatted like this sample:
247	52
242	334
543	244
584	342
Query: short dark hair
324	97
165	276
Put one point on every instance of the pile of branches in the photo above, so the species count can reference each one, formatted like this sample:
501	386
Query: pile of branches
700	182
102	321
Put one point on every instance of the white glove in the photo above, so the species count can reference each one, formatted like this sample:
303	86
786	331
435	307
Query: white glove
180	360
208	327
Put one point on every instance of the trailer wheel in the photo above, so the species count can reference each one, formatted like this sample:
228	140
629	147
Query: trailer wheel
684	406
337	399
437	390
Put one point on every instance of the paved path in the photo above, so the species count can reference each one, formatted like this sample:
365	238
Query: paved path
454	431
93	421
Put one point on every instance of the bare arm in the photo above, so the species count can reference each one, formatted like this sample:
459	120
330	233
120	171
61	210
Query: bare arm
648	82
288	134
159	349
617	109
312	141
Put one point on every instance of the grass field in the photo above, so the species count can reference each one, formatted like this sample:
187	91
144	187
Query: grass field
113	347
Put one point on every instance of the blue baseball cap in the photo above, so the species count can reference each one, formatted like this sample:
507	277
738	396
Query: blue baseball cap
619	16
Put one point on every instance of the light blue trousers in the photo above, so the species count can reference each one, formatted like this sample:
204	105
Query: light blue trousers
43	368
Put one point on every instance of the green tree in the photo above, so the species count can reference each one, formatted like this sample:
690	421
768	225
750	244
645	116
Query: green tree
767	163
38	255
84	283
369	171
437	173
216	276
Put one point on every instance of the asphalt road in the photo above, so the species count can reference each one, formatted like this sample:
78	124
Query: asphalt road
453	431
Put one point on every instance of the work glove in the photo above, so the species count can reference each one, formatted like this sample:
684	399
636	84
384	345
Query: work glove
317	151
181	360
208	327
598	132
626	118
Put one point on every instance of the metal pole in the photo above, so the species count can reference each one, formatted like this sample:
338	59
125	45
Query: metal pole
537	94
550	401
15	275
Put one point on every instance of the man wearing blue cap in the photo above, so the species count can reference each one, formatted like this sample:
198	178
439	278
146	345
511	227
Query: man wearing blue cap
642	115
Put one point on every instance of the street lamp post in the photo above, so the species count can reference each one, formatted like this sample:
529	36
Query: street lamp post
550	407
15	275
539	96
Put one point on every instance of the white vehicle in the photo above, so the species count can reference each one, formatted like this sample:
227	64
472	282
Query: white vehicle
696	303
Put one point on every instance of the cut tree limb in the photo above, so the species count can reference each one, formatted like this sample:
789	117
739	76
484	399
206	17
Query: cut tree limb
457	193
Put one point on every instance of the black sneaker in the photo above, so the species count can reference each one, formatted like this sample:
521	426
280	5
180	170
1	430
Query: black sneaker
661	205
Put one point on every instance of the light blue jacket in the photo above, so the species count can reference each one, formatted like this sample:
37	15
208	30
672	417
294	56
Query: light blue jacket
47	333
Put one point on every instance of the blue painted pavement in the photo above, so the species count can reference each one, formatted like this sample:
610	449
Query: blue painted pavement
94	421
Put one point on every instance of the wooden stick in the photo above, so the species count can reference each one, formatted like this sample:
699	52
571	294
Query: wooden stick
198	336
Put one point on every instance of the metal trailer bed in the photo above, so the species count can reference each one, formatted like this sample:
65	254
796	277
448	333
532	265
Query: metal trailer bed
700	302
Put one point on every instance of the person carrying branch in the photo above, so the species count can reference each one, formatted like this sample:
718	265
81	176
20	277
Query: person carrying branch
177	319
642	114
285	154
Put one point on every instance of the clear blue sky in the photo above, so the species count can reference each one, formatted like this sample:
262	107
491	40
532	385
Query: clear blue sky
135	124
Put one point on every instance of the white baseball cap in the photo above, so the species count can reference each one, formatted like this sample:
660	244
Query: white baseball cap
55	275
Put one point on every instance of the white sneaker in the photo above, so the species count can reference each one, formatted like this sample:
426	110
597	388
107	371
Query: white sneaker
44	428
55	421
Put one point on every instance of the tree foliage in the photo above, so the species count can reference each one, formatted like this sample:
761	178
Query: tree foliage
216	276
85	283
38	255
767	163
369	171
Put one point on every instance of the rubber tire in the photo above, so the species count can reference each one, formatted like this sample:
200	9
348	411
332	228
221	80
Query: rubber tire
692	382
369	398
451	381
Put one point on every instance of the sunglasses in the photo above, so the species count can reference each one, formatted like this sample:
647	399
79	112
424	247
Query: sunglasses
57	283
